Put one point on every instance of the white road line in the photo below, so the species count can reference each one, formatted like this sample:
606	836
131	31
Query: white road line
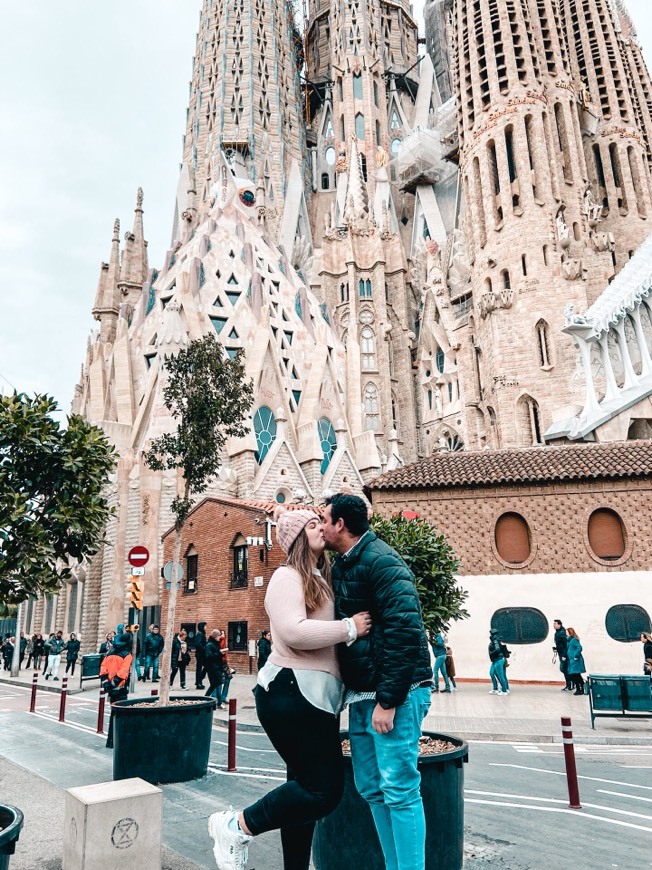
634	797
529	797
243	748
68	724
579	814
264	769
221	772
561	773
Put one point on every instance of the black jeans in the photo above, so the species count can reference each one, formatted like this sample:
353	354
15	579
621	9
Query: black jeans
181	669
308	741
70	666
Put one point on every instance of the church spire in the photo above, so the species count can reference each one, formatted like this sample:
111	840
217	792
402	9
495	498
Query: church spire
133	268
107	297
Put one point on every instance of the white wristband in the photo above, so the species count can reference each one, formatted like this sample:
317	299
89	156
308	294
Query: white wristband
352	629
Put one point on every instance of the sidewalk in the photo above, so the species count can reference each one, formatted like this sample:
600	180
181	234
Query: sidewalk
530	713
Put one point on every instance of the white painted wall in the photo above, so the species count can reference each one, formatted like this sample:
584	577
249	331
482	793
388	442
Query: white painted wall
579	600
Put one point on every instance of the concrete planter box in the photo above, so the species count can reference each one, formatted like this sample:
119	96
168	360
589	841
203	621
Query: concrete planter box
162	744
11	822
442	790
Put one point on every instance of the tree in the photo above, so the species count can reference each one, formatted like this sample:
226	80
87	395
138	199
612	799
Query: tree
208	395
434	564
52	508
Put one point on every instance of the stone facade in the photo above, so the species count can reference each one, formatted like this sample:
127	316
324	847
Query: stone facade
397	265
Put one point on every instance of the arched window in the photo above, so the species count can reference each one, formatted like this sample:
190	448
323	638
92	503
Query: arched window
325	181
368	348
441	360
396	143
359	126
365	288
192	569
371	416
357	86
344	292
606	534
378	136
543	344
328	441
265	432
530	421
395	413
512	536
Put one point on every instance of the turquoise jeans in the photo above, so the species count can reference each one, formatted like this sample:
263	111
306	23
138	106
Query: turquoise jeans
440	666
386	775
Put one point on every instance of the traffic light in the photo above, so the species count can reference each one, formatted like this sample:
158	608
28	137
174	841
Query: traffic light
136	592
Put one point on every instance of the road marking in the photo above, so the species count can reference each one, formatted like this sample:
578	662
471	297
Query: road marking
561	773
221	772
244	748
580	814
85	728
529	797
634	797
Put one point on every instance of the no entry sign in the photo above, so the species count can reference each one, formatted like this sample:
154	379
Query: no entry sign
138	556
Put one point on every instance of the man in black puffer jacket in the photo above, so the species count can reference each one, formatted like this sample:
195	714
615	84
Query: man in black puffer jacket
388	677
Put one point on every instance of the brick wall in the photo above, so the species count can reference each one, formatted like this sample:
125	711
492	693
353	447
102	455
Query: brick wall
557	516
212	529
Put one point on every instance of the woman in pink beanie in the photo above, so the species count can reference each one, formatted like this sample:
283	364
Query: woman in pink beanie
298	700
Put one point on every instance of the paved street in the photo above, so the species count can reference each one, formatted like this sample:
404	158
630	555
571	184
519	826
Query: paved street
516	798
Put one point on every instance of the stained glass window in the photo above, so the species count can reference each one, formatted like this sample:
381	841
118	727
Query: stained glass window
328	441
265	431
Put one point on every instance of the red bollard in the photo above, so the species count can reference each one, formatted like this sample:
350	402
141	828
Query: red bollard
32	703
100	713
231	740
62	705
571	768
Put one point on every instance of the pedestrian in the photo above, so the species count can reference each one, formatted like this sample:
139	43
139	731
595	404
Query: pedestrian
298	700
8	652
264	648
115	671
200	655
154	643
576	666
497	669
29	650
561	648
46	651
56	646
214	664
223	695
439	652
646	640
39	650
506	655
23	649
107	643
450	664
72	653
180	657
388	678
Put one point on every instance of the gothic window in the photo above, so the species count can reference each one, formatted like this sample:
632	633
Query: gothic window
240	576
342	129
357	86
344	292
441	360
394	121
495	182
368	348
506	281
328	129
359	126
396	144
328	441
265	432
325	181
394	414
364	289
378	136
371	416
530	418
376	94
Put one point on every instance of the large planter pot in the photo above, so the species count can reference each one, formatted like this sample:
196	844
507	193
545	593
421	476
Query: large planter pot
162	744
11	823
442	790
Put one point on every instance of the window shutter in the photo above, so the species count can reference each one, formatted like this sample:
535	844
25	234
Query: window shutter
606	535
513	538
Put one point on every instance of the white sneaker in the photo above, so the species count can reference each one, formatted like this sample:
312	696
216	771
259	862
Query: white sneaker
494	692
507	692
230	848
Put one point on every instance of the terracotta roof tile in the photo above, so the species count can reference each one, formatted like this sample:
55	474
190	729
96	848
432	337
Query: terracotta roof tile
529	465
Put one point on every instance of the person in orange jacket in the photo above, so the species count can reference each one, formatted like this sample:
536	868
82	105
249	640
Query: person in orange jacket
114	675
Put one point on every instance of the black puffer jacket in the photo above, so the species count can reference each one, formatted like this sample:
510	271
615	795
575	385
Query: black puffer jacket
561	642
394	655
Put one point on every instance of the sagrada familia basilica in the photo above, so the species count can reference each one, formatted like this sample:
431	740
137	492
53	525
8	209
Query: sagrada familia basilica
420	245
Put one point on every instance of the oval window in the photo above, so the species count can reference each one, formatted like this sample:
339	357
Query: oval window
513	539
520	625
626	622
330	155
606	534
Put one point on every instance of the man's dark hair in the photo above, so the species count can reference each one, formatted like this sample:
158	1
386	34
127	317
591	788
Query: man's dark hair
353	510
155	626
559	621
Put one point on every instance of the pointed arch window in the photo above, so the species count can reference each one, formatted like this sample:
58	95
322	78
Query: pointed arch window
265	432
344	292
364	288
371	416
328	441
357	86
394	121
368	348
359	126
440	360
530	421
543	345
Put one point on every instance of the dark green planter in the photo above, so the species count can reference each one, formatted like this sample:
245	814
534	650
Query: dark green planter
11	823
162	744
442	790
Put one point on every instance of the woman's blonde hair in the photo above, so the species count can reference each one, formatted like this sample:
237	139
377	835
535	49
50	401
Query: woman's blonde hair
316	589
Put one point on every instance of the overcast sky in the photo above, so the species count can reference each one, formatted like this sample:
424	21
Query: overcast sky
92	106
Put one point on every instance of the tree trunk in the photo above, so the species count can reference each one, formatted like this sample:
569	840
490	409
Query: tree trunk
166	658
15	661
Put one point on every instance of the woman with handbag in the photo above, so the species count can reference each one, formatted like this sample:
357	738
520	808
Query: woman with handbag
576	666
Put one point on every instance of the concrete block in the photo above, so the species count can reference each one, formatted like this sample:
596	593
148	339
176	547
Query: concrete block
113	825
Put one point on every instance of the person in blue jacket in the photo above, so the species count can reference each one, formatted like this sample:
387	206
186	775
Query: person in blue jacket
576	666
439	652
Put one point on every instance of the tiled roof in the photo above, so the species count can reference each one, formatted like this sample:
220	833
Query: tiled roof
529	465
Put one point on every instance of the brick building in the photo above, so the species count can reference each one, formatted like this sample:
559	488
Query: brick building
228	554
541	533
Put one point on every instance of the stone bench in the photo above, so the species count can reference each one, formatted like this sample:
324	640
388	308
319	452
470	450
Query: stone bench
113	825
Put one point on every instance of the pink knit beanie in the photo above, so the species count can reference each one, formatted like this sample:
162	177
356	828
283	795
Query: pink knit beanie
290	524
